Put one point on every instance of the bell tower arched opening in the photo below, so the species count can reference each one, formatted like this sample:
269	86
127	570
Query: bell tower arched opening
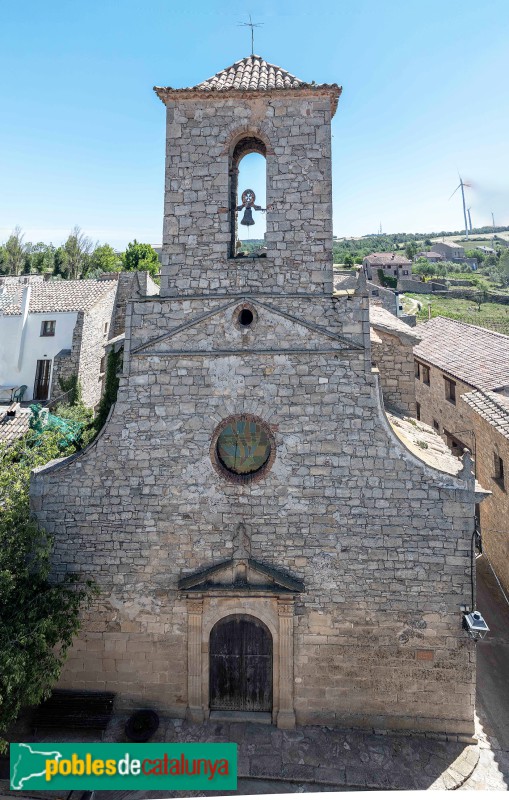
247	202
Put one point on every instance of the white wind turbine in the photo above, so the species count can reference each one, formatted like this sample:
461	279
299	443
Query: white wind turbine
461	186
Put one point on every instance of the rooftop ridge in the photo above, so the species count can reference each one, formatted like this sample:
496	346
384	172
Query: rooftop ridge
251	74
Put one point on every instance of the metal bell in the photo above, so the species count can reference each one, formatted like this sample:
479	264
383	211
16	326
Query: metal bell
247	219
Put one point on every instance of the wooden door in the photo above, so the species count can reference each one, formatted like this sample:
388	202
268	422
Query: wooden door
240	665
42	376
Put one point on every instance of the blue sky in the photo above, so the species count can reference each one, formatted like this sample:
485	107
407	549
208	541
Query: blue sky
82	133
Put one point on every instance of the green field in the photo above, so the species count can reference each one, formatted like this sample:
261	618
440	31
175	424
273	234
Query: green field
494	316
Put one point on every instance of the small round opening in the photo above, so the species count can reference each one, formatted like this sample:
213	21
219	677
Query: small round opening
245	317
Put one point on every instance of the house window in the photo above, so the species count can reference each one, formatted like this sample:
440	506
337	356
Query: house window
425	374
103	364
450	390
105	328
417	369
418	411
48	327
405	272
499	471
436	425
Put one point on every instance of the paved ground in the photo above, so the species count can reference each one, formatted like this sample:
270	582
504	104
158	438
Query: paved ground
492	771
324	759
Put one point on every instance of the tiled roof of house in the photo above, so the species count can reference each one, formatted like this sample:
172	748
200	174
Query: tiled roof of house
55	296
472	354
383	320
430	254
492	407
252	74
385	259
12	428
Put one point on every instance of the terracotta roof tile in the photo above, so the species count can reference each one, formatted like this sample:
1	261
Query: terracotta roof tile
383	320
472	354
492	407
383	259
50	296
252	74
12	428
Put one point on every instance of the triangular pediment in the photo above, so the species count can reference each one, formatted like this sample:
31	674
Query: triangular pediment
273	330
241	575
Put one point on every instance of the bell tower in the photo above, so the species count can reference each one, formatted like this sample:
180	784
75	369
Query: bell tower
249	107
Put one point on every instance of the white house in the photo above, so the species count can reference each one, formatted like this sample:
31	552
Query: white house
54	326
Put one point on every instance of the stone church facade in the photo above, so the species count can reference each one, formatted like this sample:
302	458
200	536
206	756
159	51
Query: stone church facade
262	540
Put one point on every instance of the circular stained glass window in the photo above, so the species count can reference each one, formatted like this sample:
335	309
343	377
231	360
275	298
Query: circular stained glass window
244	446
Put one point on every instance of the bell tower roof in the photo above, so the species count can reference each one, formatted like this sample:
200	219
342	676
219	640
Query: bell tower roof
254	75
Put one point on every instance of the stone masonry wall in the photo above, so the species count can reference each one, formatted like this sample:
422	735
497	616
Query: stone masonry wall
395	361
196	236
495	509
380	540
93	340
66	363
454	418
129	284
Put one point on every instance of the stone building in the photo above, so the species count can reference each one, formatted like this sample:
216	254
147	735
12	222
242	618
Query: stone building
263	540
462	390
53	329
392	265
392	352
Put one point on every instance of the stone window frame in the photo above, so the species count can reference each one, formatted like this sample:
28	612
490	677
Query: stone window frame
231	477
499	476
277	614
426	375
237	312
417	369
450	390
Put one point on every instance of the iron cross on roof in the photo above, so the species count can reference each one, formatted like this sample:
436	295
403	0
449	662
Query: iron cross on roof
251	25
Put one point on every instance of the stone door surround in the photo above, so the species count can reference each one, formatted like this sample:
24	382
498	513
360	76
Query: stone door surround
276	613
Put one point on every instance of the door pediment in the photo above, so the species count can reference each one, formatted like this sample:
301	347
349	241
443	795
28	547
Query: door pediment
243	575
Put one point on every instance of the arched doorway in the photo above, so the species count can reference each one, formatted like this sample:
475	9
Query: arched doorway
240	652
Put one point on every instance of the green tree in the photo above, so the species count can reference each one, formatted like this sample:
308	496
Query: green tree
15	252
77	253
500	271
138	256
423	268
38	616
42	257
348	260
60	263
411	250
104	259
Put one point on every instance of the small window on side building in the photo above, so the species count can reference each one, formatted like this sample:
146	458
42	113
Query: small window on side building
105	328
425	375
48	327
102	366
417	369
436	425
450	390
499	470
418	411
